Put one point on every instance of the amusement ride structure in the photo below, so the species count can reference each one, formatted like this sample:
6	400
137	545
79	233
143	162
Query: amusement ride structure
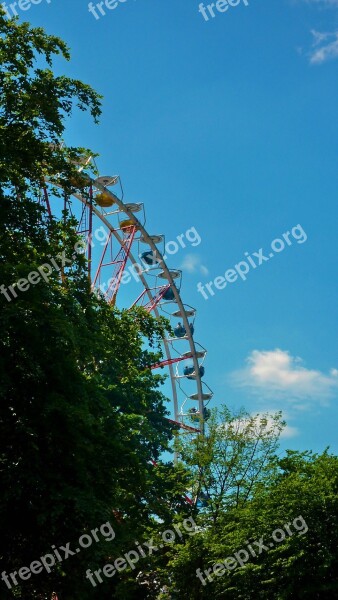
129	254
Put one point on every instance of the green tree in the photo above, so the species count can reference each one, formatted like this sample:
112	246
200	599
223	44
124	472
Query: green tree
231	459
81	414
283	541
33	106
227	467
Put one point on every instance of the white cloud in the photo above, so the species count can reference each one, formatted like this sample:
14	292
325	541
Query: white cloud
278	375
263	422
325	47
204	270
192	264
289	432
319	37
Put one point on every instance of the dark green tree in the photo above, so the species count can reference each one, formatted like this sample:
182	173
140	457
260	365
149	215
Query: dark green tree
231	459
282	542
81	414
227	467
34	104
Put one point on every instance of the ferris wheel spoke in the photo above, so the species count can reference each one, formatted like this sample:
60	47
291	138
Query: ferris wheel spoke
97	204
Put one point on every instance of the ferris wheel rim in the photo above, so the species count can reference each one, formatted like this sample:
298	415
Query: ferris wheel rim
169	275
170	278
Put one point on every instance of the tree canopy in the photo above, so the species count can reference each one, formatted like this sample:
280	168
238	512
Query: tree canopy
81	414
282	543
83	420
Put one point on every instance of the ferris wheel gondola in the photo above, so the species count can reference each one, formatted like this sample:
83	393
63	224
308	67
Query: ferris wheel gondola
118	257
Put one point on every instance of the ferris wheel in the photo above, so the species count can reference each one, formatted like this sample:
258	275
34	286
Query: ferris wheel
127	265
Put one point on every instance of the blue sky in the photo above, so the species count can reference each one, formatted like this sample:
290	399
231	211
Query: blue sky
230	126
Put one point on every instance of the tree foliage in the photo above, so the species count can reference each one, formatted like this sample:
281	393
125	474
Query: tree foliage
34	104
82	416
290	524
232	459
